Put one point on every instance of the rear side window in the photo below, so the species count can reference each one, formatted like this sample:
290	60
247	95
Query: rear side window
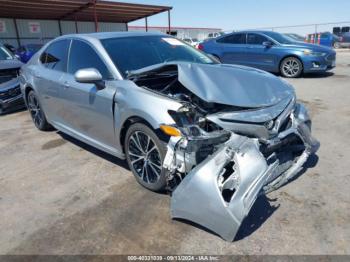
82	55
237	39
256	39
55	56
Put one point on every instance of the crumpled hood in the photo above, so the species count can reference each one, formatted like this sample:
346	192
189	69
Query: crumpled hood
9	64
233	85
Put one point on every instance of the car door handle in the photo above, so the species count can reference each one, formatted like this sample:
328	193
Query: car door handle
66	84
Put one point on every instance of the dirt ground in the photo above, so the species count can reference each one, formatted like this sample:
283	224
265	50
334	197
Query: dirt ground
60	196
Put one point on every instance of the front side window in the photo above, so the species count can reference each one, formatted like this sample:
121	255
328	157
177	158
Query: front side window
237	39
256	39
55	55
82	55
132	53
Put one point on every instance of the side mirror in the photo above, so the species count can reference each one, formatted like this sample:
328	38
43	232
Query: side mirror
90	75
267	44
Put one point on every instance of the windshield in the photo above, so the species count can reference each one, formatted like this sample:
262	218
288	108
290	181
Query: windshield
282	39
5	54
132	53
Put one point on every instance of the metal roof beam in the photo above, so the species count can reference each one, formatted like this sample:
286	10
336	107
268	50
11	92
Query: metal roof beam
81	8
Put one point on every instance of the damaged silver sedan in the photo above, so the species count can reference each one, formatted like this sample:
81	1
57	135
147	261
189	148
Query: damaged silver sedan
216	136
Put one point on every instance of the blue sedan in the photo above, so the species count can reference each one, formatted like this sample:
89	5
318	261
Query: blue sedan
270	51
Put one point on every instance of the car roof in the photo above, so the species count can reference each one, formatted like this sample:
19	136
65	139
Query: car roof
255	31
106	35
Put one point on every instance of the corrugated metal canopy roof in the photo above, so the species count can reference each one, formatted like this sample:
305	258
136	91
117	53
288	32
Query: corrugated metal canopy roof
82	10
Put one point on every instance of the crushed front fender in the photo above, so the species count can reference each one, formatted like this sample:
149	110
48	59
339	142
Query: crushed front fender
220	191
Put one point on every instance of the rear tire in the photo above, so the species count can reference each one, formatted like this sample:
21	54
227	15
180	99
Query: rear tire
291	67
37	113
145	154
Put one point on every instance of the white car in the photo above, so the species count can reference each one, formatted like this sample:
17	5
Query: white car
192	41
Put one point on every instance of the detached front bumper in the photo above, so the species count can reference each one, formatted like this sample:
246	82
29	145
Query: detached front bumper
219	192
198	198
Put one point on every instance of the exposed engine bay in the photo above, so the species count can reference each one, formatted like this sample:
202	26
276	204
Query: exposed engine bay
234	145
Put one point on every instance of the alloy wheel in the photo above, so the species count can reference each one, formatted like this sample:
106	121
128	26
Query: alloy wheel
291	67
144	157
35	110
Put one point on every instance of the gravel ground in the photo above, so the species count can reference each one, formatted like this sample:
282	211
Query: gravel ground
59	196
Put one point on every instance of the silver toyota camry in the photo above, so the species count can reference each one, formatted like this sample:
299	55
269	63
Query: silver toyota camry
217	136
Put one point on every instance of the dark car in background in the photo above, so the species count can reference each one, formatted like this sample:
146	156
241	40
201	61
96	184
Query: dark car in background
324	38
270	51
10	47
25	52
344	40
10	93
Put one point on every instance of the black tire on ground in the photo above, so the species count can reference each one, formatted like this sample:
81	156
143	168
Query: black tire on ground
145	153
336	45
37	113
291	67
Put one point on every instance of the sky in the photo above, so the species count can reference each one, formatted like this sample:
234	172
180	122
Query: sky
251	14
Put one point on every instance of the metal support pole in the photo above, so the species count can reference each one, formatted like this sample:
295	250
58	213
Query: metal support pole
169	25
95	17
17	34
146	22
76	25
59	27
315	29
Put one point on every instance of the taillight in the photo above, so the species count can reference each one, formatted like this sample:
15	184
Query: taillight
200	47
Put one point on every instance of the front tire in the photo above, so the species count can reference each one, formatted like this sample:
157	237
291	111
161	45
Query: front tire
291	67
145	153
37	113
336	45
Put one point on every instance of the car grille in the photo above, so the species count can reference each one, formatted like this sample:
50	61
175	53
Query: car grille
13	92
8	74
330	57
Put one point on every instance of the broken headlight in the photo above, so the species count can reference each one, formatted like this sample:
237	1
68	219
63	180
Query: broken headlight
192	122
